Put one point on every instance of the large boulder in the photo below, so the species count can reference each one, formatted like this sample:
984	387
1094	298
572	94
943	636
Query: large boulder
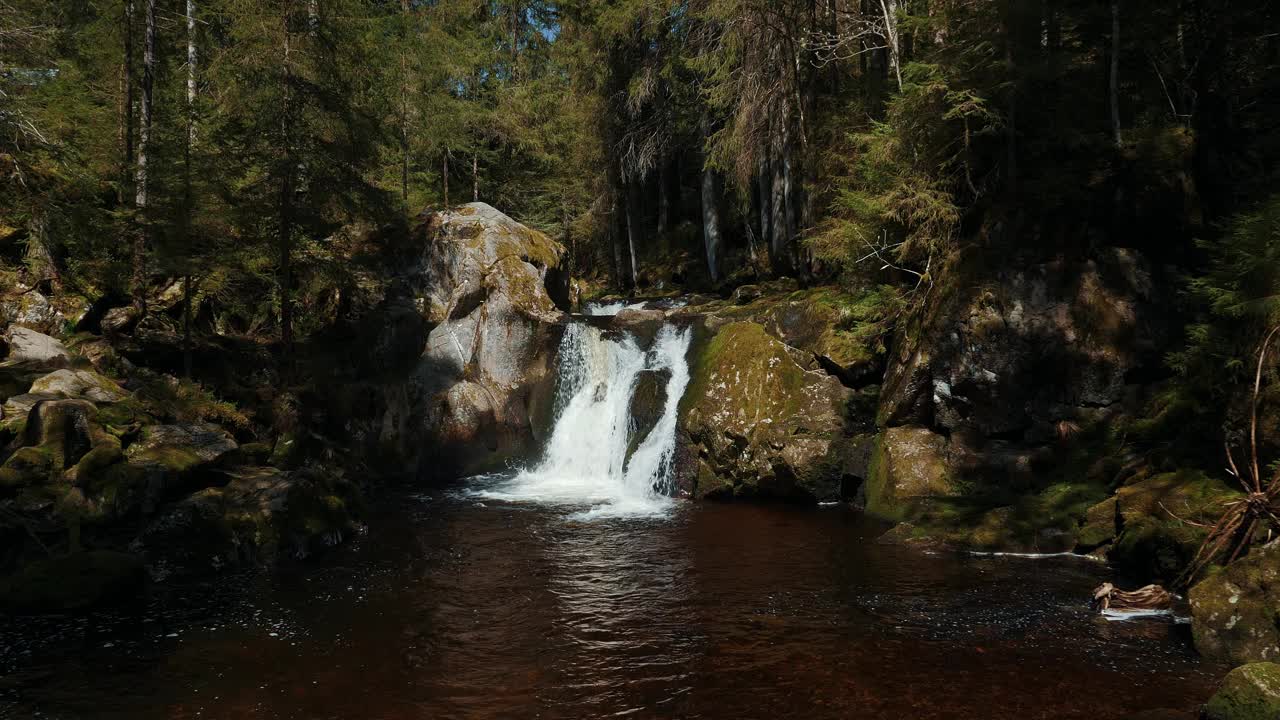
1235	613
908	469
1250	692
28	346
485	281
1014	358
1153	526
165	462
755	423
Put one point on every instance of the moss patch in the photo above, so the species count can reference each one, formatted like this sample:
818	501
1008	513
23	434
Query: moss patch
1250	692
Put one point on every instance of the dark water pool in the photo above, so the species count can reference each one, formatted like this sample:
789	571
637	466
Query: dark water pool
451	608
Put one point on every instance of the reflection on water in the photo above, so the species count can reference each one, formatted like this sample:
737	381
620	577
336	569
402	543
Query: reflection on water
455	609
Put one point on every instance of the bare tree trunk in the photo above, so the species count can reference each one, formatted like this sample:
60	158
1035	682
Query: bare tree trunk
779	235
711	224
286	219
192	59
126	107
764	183
144	146
664	202
1011	113
889	8
1114	75
475	176
444	175
633	231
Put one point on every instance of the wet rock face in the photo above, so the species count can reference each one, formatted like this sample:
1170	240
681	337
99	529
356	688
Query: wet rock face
756	423
1033	347
909	468
1250	692
490	353
1235	613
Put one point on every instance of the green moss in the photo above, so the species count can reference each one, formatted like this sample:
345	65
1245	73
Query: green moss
1250	692
1163	520
27	466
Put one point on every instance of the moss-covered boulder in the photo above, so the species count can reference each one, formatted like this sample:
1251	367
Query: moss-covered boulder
25	467
1250	692
1235	613
78	384
74	582
755	422
489	287
261	516
908	469
1155	525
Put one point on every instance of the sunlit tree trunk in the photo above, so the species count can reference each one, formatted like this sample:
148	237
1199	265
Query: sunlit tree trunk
633	231
144	146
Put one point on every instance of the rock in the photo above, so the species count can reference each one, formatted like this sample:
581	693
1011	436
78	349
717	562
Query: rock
1026	352
181	447
755	422
744	294
25	467
119	320
29	346
1250	692
1151	539
261	516
74	582
65	430
33	310
1235	613
908	469
82	384
484	284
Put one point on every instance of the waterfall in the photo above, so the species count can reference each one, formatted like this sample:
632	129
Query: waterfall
586	460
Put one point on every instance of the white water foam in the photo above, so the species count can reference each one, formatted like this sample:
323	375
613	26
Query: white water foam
586	460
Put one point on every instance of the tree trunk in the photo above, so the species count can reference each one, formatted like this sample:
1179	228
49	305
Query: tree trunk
188	199
633	231
285	241
779	234
664	209
1011	112
444	175
889	9
711	224
764	184
126	110
144	146
475	176
1114	75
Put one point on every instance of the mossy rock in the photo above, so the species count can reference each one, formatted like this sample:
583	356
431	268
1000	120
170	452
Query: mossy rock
1162	521
1250	692
27	466
908	468
74	582
1235	612
760	420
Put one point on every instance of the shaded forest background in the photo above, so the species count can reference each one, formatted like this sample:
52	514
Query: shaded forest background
235	149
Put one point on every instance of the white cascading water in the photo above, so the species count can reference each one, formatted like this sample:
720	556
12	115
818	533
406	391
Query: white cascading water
586	461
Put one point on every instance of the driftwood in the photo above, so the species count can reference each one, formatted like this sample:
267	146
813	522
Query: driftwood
1151	597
